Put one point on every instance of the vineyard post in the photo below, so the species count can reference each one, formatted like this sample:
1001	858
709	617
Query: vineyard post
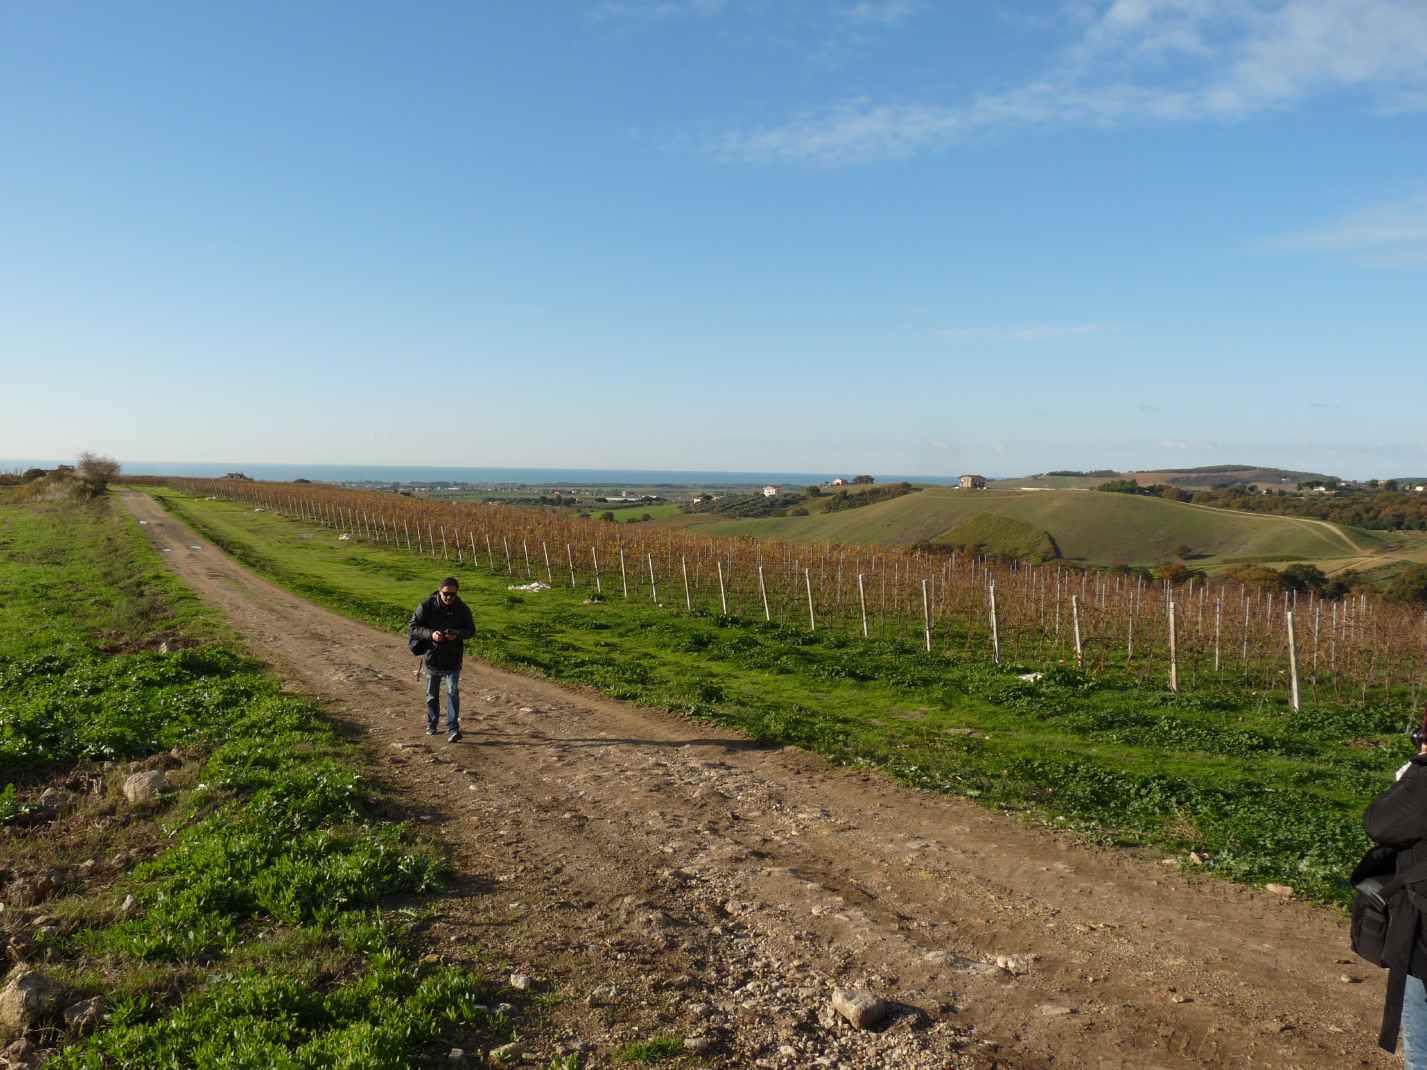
1075	621
684	567
1173	652
926	617
1218	618
594	557
443	542
653	591
1130	634
1292	659
862	601
505	544
763	591
1317	620
812	621
570	559
407	531
549	573
490	554
525	550
623	579
475	560
722	598
431	537
1244	653
456	542
995	635
420	546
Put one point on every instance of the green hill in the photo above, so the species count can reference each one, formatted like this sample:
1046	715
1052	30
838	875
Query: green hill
1085	525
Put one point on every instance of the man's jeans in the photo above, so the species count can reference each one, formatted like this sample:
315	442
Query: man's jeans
453	699
1414	1026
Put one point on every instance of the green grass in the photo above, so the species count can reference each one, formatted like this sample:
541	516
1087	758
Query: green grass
1088	526
1266	794
259	939
648	1052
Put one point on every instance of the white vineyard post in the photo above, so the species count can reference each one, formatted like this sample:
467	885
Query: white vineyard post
995	635
1173	652
570	559
623	577
763	592
684	567
653	591
1218	619
525	549
1075	622
862	602
722	598
812	621
926	617
1292	659
594	557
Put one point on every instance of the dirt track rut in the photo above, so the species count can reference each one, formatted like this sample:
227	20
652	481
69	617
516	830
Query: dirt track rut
665	875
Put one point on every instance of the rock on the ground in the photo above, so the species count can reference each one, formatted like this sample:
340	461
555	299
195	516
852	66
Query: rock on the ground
1055	1010
145	788
1278	889
83	1017
521	982
30	998
860	1006
506	1053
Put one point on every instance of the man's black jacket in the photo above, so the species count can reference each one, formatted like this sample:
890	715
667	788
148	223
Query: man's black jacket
1398	819
450	620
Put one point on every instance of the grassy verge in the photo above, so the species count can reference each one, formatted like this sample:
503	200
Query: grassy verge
1260	793
241	919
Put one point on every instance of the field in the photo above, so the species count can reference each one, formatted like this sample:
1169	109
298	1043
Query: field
242	918
1087	526
1225	767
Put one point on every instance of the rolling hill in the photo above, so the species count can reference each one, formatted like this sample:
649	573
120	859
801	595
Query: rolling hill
1082	525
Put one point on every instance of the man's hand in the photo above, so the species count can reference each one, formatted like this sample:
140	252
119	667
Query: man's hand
437	637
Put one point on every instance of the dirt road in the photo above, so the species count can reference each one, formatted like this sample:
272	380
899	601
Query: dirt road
665	877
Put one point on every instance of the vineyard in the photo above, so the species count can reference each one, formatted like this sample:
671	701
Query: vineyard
1295	647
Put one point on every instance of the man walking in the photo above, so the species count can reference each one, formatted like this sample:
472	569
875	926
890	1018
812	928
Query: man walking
444	623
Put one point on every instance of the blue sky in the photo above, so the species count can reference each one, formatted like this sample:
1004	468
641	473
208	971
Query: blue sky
880	235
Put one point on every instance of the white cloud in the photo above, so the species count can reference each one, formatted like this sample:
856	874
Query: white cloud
1141	61
883	12
655	10
1025	332
1388	234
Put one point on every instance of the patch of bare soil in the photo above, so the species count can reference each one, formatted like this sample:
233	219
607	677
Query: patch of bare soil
662	877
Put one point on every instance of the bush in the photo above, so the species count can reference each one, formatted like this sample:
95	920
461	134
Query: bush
95	473
1409	586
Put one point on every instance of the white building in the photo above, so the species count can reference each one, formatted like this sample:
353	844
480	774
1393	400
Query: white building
770	491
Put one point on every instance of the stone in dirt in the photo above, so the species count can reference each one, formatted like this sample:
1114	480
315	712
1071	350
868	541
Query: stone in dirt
506	1053
21	1053
521	982
1278	889
30	998
83	1017
1055	1010
146	788
860	1006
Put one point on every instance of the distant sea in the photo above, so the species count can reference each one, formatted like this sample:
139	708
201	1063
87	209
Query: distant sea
356	473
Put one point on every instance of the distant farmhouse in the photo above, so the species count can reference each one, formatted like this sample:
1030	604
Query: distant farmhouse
839	482
973	482
770	491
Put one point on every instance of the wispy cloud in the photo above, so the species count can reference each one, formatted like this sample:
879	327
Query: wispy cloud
1139	61
1388	234
882	12
655	10
1024	332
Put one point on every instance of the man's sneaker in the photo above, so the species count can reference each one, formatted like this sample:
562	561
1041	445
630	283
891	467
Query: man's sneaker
431	730
454	736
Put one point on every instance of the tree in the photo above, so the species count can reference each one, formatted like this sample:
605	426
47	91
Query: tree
1301	577
1184	551
95	473
863	479
608	514
1175	573
814	490
1409	585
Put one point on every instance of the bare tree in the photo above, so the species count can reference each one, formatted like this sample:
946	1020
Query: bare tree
95	472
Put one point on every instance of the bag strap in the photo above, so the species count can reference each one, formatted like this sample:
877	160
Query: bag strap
1401	881
1392	1011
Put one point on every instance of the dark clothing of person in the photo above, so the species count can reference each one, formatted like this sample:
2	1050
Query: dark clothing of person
1398	819
450	619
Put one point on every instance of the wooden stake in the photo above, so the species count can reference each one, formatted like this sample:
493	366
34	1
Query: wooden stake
722	598
525	549
1218	619
926	617
653	591
1292	659
1173	652
1075	621
862	602
762	590
684	567
407	530
995	634
570	558
623	578
595	558
812	621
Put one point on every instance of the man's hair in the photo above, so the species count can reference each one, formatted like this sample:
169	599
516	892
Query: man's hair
450	581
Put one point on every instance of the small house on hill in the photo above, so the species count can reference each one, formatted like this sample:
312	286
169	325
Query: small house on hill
839	482
770	491
973	482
